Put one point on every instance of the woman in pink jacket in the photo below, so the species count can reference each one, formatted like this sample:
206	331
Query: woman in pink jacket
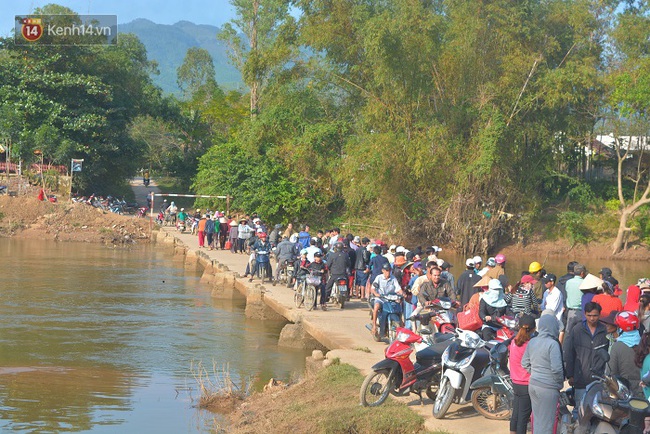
521	406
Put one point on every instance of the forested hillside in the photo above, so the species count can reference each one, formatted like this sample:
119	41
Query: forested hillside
167	45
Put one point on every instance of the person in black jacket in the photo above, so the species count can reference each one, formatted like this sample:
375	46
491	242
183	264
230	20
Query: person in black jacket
361	269
338	263
580	346
492	305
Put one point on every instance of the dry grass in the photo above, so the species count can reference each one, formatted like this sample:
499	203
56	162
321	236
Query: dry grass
218	391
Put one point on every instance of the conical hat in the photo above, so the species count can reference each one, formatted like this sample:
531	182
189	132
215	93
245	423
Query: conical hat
485	280
591	282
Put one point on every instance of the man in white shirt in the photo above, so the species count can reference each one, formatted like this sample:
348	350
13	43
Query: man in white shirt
553	299
312	249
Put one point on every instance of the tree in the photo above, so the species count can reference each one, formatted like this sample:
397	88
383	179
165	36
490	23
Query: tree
76	102
628	109
269	31
196	75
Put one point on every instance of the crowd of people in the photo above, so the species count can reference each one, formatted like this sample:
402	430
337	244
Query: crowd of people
563	321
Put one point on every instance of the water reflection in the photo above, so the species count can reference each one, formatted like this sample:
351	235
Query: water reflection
91	338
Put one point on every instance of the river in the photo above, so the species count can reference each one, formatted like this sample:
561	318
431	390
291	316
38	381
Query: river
103	340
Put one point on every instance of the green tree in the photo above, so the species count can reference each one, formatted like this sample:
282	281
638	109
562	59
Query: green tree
265	46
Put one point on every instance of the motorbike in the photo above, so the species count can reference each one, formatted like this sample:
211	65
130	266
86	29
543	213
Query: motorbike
492	394
262	265
608	406
444	315
463	362
340	294
389	317
285	272
397	375
142	211
509	327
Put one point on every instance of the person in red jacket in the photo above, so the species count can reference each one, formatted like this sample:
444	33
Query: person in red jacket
607	300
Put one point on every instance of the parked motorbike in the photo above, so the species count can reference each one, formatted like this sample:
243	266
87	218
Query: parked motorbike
463	363
609	407
389	317
339	294
397	374
492	394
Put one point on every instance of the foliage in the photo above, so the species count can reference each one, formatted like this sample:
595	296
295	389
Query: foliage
75	102
574	227
582	196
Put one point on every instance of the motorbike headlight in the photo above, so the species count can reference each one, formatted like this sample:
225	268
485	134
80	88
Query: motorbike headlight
402	337
596	408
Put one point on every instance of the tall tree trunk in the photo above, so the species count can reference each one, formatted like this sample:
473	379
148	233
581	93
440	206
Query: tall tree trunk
622	230
255	84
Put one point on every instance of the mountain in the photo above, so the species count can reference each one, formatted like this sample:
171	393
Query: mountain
167	45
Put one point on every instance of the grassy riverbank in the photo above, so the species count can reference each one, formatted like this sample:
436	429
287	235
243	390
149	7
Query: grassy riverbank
326	402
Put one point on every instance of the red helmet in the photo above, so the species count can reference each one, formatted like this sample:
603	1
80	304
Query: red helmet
262	235
500	259
627	321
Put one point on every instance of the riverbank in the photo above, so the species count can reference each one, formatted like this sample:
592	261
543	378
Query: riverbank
28	218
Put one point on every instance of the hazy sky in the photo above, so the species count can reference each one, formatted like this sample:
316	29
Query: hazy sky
215	12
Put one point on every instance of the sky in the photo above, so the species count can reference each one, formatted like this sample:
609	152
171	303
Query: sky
214	12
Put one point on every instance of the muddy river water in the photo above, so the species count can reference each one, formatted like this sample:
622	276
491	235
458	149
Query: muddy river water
100	340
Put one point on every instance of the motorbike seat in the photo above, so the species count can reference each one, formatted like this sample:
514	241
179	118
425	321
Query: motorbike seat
432	354
442	337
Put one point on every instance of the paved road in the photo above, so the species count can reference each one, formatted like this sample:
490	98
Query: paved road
345	333
141	192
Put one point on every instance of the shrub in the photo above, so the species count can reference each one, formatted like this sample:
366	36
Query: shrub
613	204
574	227
583	196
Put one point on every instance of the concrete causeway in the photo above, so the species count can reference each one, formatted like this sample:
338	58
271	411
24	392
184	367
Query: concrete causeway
343	332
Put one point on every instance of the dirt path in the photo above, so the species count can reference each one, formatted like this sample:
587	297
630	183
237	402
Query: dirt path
141	191
344	331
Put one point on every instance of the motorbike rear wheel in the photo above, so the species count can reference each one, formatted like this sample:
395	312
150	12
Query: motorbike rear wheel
310	297
443	399
491	405
376	388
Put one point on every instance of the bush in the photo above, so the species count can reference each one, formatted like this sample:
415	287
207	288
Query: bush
583	196
613	205
574	227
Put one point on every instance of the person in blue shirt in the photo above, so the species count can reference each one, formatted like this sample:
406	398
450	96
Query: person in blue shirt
304	237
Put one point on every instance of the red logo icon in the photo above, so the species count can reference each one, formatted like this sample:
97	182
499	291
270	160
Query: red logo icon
32	29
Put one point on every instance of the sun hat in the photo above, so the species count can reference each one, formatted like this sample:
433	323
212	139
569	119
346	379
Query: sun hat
495	284
591	282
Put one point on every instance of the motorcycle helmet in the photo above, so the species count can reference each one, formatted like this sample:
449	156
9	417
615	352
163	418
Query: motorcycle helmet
303	252
262	235
338	246
534	267
386	266
318	255
627	321
500	259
